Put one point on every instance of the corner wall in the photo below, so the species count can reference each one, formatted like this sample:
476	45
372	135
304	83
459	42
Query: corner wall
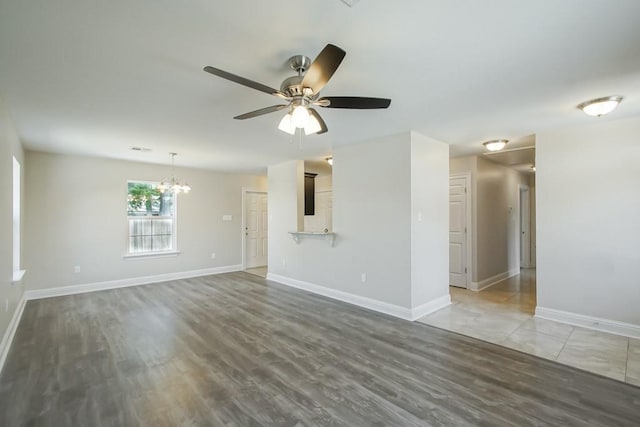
588	214
371	263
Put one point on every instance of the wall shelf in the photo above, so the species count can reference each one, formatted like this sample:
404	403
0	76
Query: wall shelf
298	235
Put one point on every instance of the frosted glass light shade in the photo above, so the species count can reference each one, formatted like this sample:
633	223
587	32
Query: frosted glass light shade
495	145
300	116
286	125
600	106
312	126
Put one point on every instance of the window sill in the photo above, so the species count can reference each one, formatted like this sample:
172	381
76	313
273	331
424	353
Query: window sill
17	276
149	255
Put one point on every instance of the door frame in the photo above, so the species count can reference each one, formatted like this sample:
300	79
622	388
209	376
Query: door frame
468	221
243	239
524	204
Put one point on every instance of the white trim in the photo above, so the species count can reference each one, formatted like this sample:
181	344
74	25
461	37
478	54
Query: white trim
430	307
17	276
490	281
7	339
371	304
468	222
589	322
364	302
122	283
148	255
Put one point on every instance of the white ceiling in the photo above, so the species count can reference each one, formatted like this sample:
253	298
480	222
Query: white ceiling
98	77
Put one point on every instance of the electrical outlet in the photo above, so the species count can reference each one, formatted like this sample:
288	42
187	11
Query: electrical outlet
76	269
213	255
363	277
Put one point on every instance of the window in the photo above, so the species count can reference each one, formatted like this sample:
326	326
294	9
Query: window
16	217
152	219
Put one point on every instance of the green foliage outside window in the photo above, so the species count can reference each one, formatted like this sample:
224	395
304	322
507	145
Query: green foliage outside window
146	199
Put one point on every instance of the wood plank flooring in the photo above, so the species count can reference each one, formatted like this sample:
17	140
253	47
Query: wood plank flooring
237	350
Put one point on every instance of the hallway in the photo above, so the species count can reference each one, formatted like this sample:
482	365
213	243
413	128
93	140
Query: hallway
504	314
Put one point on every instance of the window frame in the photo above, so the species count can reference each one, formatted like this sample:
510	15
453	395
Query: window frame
174	235
16	207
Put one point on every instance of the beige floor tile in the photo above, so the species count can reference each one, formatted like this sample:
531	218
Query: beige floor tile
534	342
633	362
503	314
548	327
597	352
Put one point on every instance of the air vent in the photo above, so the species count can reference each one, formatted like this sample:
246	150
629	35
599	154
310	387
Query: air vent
141	149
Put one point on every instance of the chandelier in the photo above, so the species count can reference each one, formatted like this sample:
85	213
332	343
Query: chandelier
172	183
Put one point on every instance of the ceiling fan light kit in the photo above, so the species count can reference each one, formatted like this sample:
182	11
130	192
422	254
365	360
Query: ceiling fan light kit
302	92
600	106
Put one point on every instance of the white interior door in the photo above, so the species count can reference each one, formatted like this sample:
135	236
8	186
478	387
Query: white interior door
457	232
256	236
525	245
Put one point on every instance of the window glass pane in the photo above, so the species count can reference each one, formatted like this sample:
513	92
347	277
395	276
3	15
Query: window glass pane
144	199
16	215
151	218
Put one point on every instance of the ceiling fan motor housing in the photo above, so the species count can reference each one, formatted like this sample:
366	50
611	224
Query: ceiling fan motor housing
292	86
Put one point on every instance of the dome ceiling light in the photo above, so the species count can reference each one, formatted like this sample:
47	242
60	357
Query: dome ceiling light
600	106
496	144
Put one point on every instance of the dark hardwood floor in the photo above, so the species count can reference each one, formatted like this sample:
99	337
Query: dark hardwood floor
236	350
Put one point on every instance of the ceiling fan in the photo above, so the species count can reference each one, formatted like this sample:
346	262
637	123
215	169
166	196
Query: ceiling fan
302	92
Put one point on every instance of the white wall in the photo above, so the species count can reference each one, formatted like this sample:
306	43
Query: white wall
588	214
76	216
283	210
10	146
429	219
372	216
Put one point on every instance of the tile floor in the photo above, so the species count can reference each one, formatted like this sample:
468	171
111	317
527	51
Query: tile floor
258	271
503	314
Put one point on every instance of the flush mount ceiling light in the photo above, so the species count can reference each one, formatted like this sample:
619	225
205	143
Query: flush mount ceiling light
496	144
172	183
600	106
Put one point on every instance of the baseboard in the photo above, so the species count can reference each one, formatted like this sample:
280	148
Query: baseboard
123	283
7	339
364	302
490	281
589	322
430	307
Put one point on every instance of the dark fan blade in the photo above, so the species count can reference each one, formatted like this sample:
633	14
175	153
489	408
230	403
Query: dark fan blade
323	125
245	82
260	112
323	67
353	102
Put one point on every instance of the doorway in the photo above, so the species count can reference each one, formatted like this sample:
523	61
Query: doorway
525	228
255	232
459	228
